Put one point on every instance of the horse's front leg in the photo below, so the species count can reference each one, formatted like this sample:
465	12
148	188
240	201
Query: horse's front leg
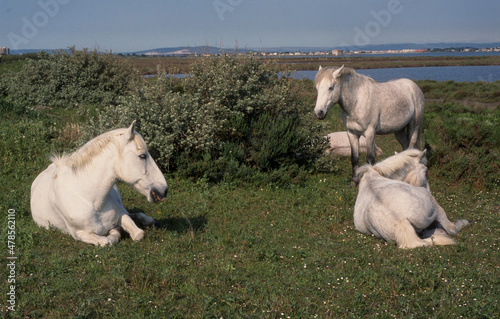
354	141
130	227
88	237
115	201
370	147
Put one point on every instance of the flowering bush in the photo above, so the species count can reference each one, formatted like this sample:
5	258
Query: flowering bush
68	79
234	118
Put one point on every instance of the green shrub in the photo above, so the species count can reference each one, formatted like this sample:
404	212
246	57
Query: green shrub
234	114
480	91
466	146
68	78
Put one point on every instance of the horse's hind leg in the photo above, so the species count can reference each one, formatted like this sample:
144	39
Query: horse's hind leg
442	219
414	131
402	138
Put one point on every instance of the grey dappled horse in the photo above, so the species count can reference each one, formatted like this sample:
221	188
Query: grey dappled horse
369	108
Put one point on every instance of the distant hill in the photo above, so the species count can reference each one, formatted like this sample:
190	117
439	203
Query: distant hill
199	50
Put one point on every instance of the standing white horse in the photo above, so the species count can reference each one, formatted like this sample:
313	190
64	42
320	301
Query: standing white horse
397	210
369	108
77	193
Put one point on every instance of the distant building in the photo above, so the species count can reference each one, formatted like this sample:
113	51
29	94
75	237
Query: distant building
336	52
4	51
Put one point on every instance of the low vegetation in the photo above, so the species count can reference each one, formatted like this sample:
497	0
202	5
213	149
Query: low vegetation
259	247
68	79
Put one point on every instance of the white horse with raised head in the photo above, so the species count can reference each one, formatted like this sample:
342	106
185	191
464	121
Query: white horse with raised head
77	193
369	108
398	210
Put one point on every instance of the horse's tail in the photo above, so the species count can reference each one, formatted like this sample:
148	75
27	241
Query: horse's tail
406	237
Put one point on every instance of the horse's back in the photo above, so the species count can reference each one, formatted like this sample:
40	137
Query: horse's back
395	104
410	91
384	202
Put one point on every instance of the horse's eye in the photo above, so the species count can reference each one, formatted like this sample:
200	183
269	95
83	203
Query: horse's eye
143	156
331	88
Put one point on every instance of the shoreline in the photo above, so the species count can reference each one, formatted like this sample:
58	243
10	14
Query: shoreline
148	65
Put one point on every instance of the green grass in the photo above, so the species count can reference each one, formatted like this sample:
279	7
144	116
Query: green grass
14	63
243	251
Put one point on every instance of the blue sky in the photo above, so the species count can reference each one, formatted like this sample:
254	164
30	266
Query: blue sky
126	25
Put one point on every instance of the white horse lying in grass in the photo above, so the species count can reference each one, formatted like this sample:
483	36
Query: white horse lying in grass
397	210
77	193
340	146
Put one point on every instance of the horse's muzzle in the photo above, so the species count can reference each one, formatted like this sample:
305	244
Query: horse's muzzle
159	196
320	115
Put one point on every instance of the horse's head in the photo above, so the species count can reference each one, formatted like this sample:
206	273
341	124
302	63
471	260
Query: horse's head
327	84
409	166
417	176
136	167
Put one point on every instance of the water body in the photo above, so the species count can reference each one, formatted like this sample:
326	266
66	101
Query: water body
433	54
487	73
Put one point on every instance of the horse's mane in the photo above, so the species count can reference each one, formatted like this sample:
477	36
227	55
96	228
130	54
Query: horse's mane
93	148
327	71
394	163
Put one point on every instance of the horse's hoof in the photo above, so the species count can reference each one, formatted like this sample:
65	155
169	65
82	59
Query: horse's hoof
138	236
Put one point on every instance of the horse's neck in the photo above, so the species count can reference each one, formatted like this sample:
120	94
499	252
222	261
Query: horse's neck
400	174
94	181
347	99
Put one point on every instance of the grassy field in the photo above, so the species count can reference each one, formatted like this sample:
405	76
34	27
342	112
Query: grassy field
250	251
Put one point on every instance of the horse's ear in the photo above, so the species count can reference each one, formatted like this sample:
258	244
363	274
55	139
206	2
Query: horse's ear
131	131
337	73
320	68
422	155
